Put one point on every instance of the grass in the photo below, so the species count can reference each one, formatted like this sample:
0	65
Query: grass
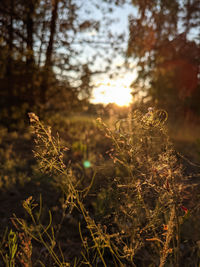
133	205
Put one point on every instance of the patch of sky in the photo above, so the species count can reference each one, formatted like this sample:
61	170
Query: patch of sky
100	47
113	20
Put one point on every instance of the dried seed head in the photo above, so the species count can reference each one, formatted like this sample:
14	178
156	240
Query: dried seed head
33	117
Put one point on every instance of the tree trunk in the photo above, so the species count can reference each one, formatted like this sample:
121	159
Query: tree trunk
30	80
54	16
10	41
9	65
49	51
30	30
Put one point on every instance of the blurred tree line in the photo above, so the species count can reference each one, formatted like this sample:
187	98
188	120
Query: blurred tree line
42	64
164	38
44	67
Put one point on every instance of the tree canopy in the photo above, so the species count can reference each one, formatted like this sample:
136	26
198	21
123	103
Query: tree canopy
164	38
49	51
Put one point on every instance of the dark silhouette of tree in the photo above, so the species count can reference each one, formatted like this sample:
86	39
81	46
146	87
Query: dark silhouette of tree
49	51
164	39
42	53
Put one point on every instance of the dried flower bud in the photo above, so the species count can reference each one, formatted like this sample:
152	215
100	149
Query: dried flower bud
33	117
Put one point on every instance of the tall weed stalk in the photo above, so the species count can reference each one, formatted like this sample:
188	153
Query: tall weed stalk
143	228
146	209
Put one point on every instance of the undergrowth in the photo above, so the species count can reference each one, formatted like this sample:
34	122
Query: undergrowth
136	219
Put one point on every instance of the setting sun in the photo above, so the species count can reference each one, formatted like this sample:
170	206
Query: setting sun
113	91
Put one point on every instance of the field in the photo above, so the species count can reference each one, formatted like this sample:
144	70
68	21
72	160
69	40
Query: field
117	191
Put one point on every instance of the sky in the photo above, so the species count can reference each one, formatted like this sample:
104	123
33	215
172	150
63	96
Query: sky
112	85
115	89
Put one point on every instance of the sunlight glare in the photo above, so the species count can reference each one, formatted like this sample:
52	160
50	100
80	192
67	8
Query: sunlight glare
113	91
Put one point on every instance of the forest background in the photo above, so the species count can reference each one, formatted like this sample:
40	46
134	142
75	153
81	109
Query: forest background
53	52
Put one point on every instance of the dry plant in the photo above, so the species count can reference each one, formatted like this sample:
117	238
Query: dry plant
49	153
147	206
144	225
